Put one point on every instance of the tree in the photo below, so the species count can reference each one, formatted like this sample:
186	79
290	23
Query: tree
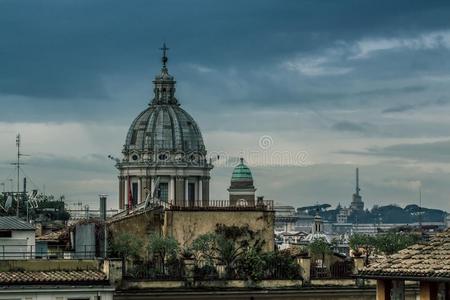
363	241
392	242
126	246
162	247
319	246
227	245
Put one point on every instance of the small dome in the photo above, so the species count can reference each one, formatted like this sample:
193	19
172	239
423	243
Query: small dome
241	172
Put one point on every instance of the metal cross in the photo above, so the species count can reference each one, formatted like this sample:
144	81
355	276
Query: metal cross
164	58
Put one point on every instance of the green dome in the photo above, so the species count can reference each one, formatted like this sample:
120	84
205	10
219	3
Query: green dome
241	172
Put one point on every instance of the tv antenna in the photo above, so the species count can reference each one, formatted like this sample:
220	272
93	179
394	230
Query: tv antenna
18	163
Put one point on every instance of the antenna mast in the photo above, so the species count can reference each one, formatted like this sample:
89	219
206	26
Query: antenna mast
18	173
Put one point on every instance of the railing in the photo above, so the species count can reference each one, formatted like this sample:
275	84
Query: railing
156	271
205	272
340	269
318	272
53	252
224	205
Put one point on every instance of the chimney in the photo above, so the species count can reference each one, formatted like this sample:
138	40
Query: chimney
103	206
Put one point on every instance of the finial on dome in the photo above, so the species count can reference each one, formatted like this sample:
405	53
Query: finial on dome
164	57
242	160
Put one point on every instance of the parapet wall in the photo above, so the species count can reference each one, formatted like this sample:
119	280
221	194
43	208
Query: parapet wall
49	265
186	225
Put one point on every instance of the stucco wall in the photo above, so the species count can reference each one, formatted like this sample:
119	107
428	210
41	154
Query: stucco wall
141	226
186	226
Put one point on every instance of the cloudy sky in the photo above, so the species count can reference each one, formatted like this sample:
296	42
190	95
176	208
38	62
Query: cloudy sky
304	90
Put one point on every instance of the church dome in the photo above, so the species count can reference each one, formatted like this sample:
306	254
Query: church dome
162	128
242	176
241	173
164	131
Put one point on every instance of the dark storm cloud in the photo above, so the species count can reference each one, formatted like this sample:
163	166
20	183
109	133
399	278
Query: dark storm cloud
87	163
57	52
438	152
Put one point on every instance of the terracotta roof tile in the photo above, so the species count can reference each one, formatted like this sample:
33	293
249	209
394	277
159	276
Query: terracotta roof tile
427	259
46	277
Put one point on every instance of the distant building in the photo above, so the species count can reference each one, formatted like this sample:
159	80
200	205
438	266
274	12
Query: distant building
17	239
317	231
285	218
342	216
357	203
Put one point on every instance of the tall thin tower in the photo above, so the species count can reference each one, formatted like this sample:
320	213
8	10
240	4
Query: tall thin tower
357	182
357	203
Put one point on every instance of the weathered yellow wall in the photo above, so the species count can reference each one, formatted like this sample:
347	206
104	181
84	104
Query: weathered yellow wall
141	226
186	226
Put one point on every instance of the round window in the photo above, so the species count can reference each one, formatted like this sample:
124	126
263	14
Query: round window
134	157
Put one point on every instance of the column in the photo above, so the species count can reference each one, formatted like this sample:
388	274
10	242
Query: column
127	191
139	199
139	195
152	185
205	191
172	190
186	191
121	193
179	190
200	191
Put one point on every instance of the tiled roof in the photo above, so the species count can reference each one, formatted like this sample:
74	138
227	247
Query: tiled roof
429	259
14	223
53	236
49	277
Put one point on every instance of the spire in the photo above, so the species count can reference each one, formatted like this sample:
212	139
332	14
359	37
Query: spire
357	182
164	83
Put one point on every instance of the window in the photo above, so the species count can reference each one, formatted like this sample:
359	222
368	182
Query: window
134	137
135	193
191	193
163	191
5	233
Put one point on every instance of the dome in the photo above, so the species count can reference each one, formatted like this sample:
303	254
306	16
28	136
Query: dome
241	173
162	128
164	131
